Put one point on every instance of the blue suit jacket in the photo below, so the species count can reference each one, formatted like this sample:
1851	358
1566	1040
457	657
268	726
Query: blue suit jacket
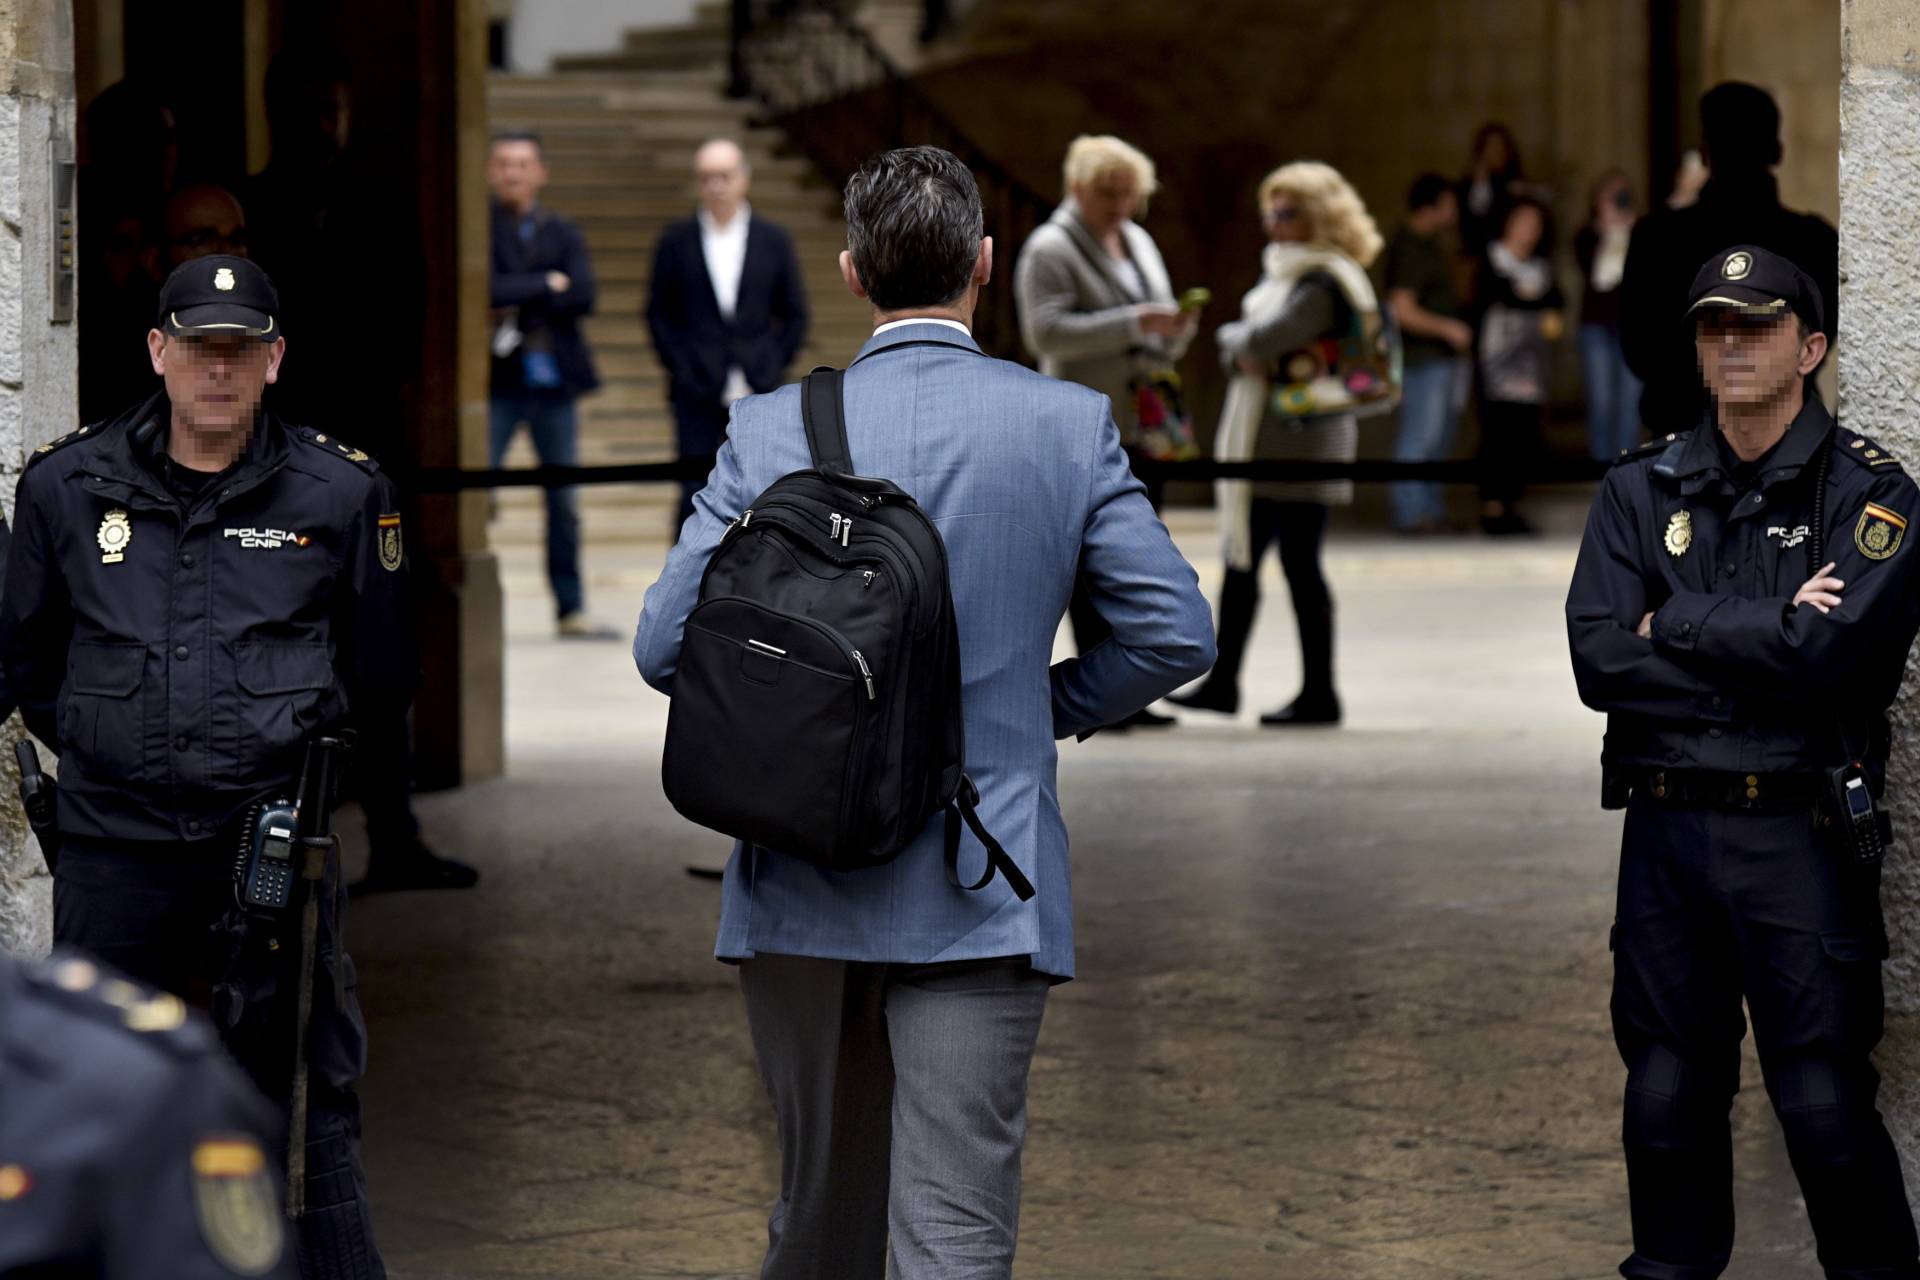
1026	481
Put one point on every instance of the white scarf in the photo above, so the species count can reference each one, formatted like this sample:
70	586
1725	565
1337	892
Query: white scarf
1282	268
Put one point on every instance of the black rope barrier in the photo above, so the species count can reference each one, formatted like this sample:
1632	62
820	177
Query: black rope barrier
1364	471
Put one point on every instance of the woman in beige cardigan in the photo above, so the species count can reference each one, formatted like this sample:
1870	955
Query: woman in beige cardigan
1313	287
1096	305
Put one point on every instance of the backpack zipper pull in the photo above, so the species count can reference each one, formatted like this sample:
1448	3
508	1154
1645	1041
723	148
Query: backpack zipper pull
833	532
745	517
870	575
846	529
866	672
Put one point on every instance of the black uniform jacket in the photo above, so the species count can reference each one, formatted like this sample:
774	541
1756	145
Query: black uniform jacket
695	342
130	1147
1735	677
549	319
177	657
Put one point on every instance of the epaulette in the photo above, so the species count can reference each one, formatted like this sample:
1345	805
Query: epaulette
1657	445
54	446
338	448
1851	444
155	1016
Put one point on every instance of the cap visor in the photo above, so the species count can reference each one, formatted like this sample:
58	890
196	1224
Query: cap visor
217	319
1750	301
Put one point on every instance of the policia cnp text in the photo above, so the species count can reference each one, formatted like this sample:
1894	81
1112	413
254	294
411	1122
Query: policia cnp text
1742	610
194	591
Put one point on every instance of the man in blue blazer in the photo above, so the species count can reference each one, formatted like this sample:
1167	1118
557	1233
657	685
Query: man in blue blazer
726	306
894	1016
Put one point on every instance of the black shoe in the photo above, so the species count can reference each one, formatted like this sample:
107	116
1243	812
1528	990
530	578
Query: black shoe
707	873
1209	697
1145	719
417	868
1303	711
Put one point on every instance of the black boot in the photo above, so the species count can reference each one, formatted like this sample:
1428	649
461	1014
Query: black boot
1239	602
1317	703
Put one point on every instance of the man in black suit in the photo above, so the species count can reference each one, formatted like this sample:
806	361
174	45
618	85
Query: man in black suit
542	284
1740	140
726	307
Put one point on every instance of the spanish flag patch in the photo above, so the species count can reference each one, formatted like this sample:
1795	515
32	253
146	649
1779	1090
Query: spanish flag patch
1878	534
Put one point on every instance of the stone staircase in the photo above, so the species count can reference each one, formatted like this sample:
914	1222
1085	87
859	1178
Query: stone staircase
620	131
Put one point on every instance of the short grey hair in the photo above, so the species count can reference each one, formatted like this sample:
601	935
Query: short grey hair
914	226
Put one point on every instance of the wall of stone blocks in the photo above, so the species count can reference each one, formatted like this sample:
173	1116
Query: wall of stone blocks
38	359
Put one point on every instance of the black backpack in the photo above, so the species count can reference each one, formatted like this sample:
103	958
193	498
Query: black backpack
816	708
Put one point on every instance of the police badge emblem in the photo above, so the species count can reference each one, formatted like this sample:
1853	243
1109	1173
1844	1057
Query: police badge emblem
390	542
1679	534
240	1217
1737	266
223	279
116	531
1879	531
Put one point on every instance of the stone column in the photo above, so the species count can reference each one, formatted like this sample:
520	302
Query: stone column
1879	359
38	354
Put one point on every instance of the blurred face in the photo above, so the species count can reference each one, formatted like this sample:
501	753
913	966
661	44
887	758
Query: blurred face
516	173
1285	220
215	383
1496	153
1524	228
1751	360
720	171
1108	200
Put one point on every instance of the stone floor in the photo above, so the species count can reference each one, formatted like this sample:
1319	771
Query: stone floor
1341	1013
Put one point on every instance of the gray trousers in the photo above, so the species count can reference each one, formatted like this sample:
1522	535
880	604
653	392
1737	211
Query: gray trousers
901	1097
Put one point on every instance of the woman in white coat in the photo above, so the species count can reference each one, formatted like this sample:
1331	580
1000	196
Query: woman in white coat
1097	307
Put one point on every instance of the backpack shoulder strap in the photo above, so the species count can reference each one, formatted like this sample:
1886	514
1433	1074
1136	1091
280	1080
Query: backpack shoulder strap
823	409
963	808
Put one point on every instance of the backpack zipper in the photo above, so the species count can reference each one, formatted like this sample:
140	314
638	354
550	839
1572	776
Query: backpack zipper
866	672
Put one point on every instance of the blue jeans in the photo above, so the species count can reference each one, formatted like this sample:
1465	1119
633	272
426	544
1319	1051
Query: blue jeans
1613	394
555	427
1432	395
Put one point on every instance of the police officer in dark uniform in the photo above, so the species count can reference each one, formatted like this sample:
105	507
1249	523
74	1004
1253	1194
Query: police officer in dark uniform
168	1177
196	589
1742	610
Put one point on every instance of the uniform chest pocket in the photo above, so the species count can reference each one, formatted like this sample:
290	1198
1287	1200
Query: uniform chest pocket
102	723
286	693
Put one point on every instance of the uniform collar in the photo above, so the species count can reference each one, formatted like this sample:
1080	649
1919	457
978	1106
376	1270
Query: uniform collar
917	331
138	456
1698	460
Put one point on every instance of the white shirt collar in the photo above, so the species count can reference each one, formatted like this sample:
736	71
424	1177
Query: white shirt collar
737	227
895	324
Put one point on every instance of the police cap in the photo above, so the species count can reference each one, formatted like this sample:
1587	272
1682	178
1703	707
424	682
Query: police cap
1756	281
220	295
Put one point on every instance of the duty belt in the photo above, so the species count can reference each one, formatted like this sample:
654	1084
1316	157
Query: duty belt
1713	789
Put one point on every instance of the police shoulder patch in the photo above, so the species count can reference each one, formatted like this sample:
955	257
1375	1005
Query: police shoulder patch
1879	531
388	532
338	448
233	1198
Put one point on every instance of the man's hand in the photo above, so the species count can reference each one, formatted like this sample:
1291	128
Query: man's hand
1158	320
1820	591
558	282
1459	335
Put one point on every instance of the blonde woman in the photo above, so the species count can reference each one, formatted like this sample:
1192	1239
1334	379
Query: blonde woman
1313	291
1097	307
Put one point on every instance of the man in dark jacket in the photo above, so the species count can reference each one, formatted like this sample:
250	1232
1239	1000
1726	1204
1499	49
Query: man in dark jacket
1740	138
542	285
1742	610
726	306
196	590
